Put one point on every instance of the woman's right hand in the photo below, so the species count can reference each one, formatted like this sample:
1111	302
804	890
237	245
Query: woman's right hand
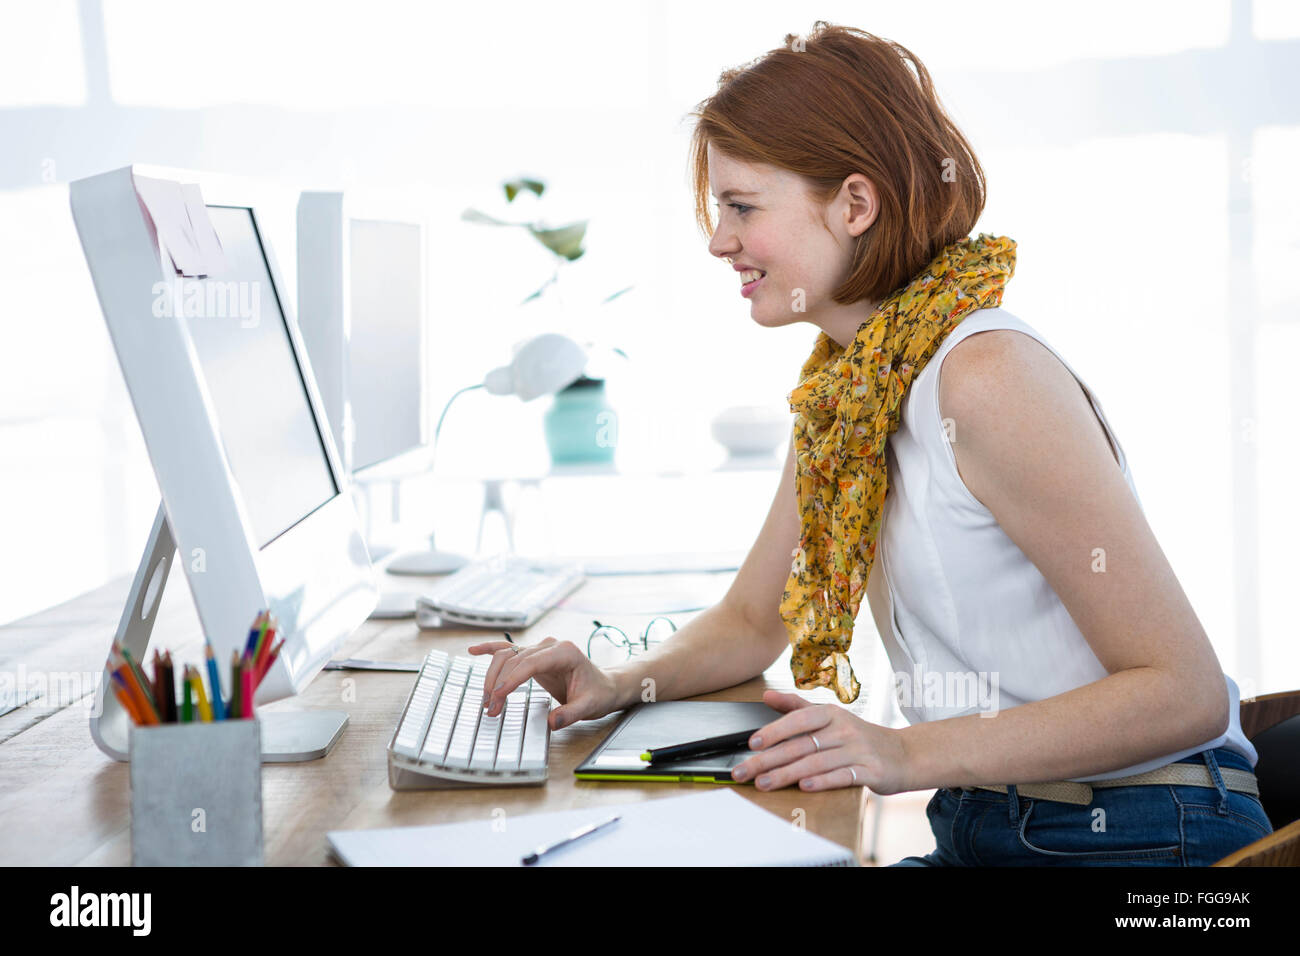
583	689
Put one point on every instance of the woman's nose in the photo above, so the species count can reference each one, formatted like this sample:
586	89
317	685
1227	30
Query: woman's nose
723	248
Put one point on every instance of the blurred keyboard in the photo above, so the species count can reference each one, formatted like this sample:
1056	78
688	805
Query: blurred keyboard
501	591
445	739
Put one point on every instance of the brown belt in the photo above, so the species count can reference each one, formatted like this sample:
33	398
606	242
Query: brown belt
1176	774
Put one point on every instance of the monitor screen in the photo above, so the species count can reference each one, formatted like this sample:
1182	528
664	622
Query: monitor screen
385	341
272	443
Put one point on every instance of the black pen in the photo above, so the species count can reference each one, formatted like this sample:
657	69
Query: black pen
578	834
700	748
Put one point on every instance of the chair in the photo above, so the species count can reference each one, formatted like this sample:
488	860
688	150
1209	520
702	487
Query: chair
1280	848
1272	724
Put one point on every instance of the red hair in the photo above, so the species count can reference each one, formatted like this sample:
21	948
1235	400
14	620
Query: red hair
843	101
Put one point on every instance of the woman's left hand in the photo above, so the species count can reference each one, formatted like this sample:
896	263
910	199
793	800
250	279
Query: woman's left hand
847	752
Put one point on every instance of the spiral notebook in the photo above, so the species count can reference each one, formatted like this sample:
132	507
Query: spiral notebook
717	828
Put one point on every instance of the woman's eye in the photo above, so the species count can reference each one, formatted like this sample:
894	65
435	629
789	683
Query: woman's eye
740	208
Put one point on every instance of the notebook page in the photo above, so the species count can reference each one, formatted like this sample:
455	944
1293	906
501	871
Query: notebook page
716	828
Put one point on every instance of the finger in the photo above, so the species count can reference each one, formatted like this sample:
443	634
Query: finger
570	713
789	703
517	671
495	648
784	753
510	675
497	674
780	700
801	721
811	766
491	647
493	675
854	775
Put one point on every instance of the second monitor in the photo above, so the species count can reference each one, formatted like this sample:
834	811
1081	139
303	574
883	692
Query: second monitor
361	306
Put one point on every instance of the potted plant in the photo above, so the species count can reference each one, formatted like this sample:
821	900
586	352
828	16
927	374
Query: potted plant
581	426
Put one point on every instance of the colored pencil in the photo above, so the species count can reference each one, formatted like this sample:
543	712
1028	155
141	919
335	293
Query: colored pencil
134	685
218	706
254	633
156	683
147	716
270	659
142	682
263	638
187	697
136	669
246	690
124	695
264	651
236	707
168	690
200	696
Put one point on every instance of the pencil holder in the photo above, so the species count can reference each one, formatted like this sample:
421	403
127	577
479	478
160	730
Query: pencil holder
196	794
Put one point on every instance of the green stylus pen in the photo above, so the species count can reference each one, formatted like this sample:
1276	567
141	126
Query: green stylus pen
700	748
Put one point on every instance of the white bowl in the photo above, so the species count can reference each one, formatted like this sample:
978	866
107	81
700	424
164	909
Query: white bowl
752	429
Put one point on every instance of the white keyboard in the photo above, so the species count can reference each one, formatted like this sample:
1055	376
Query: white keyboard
445	738
501	591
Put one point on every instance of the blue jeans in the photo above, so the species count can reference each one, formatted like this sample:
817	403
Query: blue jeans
1149	825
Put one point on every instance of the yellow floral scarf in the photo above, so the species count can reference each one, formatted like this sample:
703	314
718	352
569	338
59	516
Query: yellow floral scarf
846	405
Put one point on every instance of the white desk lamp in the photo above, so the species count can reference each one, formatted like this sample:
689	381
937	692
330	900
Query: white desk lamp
541	366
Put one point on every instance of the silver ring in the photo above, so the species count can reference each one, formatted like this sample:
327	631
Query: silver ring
855	775
514	648
817	748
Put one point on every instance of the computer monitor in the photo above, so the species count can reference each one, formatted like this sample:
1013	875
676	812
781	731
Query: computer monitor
362	311
257	389
361	306
254	495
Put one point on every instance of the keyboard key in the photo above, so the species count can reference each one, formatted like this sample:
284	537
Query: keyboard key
444	719
534	750
512	732
462	739
485	748
419	710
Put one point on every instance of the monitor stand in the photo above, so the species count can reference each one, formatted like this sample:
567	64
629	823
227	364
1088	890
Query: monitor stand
287	737
427	562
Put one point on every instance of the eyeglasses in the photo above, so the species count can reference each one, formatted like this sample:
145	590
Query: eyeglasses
609	645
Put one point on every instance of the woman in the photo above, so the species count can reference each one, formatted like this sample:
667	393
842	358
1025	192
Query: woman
989	514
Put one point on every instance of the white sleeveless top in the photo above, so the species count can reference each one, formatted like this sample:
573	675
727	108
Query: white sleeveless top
968	621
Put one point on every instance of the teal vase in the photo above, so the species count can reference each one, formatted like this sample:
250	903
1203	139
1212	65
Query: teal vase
580	424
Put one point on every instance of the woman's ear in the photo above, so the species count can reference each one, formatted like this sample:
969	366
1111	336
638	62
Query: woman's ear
861	204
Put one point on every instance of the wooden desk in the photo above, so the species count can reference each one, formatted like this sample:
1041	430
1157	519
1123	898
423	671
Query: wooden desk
64	803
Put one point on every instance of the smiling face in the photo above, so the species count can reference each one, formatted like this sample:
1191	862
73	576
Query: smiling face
768	223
